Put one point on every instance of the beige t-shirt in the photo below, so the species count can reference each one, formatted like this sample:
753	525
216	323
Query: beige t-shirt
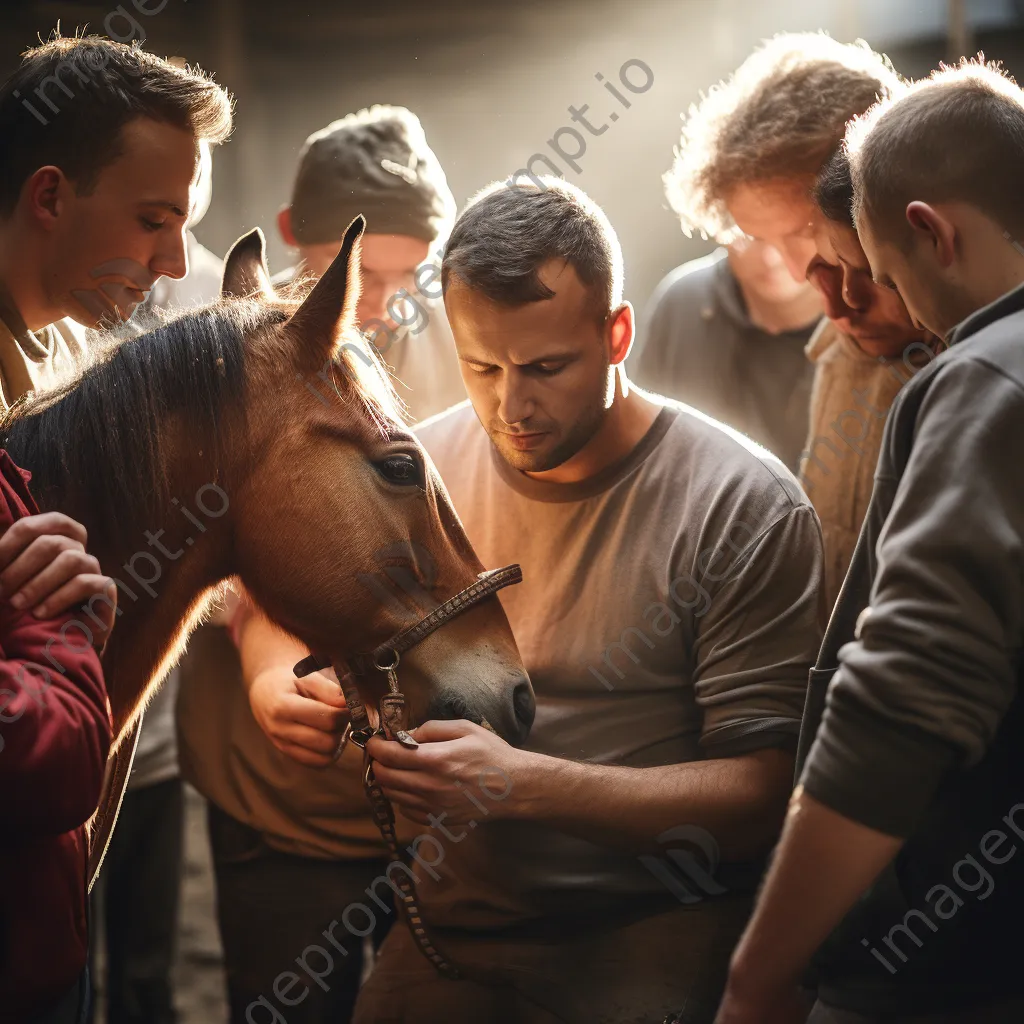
850	400
670	610
35	361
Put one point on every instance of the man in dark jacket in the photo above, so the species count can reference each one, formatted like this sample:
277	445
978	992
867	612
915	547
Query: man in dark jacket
898	863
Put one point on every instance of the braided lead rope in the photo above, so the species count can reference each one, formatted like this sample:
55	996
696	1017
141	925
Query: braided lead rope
390	725
384	817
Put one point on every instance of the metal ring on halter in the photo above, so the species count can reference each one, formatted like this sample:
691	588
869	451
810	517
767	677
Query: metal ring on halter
387	668
360	737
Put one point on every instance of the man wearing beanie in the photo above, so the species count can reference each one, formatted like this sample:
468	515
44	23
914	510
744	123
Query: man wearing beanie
292	838
377	162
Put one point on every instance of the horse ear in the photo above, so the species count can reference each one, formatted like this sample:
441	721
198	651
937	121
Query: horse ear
245	268
331	306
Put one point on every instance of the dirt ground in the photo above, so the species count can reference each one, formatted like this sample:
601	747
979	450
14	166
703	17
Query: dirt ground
198	969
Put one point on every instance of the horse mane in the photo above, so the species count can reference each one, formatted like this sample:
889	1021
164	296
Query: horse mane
137	385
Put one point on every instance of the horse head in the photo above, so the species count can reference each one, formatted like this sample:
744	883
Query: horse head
342	529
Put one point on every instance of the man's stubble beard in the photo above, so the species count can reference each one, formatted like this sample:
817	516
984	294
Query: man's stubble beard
585	427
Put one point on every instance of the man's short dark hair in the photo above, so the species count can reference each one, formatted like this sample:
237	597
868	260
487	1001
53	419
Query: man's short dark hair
955	136
833	190
69	100
508	232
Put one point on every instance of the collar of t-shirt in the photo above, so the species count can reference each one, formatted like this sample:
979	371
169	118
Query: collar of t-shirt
37	346
545	490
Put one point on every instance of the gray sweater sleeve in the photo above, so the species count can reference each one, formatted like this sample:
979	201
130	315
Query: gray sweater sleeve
933	671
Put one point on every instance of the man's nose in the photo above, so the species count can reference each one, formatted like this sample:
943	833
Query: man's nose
171	260
514	401
858	290
829	282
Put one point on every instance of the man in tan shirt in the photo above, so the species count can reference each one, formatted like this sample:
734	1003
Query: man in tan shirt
93	205
669	611
856	382
749	157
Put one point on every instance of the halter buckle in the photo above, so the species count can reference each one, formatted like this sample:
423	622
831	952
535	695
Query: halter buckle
360	737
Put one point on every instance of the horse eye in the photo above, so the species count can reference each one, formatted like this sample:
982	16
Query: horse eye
400	469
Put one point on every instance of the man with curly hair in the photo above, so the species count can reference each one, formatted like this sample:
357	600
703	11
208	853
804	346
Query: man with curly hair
748	160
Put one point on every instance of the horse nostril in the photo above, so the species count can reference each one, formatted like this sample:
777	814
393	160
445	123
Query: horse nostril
524	705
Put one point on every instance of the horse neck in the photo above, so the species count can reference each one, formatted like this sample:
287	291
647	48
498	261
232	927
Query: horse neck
165	572
154	623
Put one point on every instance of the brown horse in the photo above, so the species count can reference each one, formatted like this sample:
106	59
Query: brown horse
197	453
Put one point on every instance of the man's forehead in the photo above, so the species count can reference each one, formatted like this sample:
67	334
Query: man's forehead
847	245
156	161
387	253
771	209
572	299
873	249
522	333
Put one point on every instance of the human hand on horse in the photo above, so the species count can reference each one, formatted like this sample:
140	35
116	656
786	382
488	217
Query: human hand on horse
455	764
304	718
44	567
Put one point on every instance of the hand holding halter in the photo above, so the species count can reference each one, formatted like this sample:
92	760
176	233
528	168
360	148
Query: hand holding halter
391	724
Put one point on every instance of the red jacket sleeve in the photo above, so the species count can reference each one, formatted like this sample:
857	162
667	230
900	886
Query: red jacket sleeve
55	728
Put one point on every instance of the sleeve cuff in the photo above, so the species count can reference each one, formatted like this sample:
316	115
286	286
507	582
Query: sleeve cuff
873	771
743	737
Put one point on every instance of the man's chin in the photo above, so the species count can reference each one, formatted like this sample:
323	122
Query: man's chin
532	460
526	462
887	346
98	311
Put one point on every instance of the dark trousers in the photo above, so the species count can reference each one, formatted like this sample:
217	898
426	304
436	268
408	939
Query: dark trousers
273	909
74	1008
137	897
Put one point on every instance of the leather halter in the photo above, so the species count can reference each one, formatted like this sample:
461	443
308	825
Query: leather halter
391	724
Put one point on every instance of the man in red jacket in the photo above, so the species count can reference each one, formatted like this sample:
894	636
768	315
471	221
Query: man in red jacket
99	175
55	732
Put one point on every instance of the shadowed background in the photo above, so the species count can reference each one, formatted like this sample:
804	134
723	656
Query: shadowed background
492	83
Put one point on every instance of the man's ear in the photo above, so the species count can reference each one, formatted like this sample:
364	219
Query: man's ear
934	229
284	226
42	192
620	330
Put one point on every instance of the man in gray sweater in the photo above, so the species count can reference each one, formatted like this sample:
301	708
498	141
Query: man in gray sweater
726	334
910	807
